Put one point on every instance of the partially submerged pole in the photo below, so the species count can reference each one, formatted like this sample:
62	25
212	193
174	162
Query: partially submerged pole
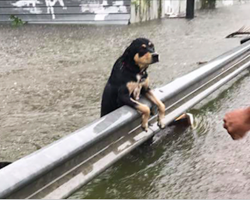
190	9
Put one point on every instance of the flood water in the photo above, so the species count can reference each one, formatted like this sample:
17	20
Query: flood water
185	163
51	81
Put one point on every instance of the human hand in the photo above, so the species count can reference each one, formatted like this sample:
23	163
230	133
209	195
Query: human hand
237	123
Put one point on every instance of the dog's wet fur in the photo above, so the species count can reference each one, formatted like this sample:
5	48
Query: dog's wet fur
129	79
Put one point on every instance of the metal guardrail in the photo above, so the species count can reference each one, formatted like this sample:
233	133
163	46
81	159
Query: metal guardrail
59	169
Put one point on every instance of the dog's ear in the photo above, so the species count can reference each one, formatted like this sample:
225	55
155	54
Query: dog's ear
128	55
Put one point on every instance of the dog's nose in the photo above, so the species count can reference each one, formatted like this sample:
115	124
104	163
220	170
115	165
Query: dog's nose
155	57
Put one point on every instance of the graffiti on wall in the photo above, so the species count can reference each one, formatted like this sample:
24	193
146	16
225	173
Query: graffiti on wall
101	8
33	6
50	6
22	3
29	5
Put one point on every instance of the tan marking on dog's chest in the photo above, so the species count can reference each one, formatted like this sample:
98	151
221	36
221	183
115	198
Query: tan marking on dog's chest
135	87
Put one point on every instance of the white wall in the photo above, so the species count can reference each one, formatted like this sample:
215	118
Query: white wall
177	8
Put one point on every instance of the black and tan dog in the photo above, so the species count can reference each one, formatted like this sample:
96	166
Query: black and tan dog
129	79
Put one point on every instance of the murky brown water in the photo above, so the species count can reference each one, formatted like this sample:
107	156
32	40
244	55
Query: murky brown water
52	78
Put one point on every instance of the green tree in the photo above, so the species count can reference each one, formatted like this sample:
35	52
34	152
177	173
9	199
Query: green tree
208	4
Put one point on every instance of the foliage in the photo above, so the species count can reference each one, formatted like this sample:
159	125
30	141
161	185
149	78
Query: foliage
16	21
208	4
140	4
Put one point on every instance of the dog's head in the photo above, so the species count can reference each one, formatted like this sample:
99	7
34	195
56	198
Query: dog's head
141	52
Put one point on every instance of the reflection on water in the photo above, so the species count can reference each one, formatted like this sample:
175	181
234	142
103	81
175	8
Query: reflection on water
185	163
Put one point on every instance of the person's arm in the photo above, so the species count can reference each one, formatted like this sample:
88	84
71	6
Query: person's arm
237	123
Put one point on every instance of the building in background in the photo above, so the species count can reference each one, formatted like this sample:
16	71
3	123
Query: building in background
95	11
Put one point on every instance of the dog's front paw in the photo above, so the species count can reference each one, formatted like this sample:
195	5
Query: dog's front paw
161	124
145	127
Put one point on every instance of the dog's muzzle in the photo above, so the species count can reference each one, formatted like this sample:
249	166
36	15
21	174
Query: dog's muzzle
155	57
